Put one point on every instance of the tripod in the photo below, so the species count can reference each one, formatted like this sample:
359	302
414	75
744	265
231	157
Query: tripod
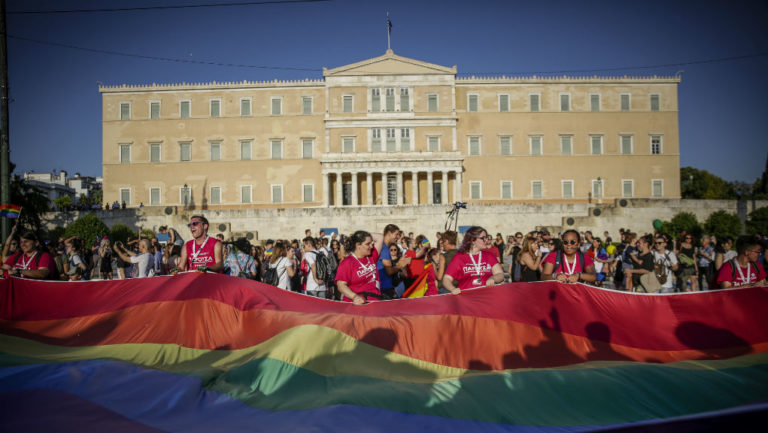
452	220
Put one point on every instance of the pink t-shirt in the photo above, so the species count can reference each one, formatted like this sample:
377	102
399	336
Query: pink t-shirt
360	274
568	268
747	275
201	255
472	271
21	261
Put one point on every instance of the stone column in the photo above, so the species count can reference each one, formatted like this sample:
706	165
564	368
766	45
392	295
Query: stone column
400	188
339	199
354	188
457	186
444	188
415	187
326	190
369	188
430	188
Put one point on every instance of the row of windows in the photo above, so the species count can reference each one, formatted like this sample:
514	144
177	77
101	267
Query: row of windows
215	196
566	143
566	189
535	102
246	150
393	100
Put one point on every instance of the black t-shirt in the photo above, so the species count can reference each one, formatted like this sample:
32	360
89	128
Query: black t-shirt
647	263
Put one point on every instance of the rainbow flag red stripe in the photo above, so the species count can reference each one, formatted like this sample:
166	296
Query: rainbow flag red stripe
10	210
419	287
205	352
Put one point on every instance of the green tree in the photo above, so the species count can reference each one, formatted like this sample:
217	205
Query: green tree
701	184
683	221
32	201
760	188
120	232
63	203
722	223
88	227
757	221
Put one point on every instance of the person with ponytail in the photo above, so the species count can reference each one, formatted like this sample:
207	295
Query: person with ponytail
357	278
470	268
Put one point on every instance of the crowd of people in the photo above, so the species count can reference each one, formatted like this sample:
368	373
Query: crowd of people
365	267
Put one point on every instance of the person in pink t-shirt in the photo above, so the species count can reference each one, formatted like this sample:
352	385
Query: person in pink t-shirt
472	266
571	268
744	270
357	277
30	261
202	253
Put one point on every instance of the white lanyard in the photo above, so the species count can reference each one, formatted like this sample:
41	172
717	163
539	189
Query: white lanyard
569	270
366	268
197	253
741	274
477	264
25	265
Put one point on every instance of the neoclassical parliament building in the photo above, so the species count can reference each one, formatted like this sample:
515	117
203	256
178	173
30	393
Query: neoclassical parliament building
391	131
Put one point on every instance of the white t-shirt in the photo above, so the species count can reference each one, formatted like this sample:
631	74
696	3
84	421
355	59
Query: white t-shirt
282	264
144	261
312	285
669	259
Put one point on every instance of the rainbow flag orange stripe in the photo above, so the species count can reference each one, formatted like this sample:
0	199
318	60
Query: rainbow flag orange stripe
208	352
419	287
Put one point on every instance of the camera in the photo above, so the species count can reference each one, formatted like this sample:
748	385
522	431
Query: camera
460	205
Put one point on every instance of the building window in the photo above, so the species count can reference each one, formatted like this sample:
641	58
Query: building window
567	187
536	188
125	154
375	100
626	144
656	145
390	92
245	106
627	188
215	107
125	196
277	193
535	101
376	140
215	195
125	111
594	102
597	144
307	148
504	103
277	105
655	102
348	144
475	189
245	150
348	103
565	102
505	145
472	103
155	152
405	99
474	146
405	140
535	145
245	194
432	102
185	108
506	189
154	109
434	144
185	151
566	144
306	105
597	188
391	140
215	151
307	193
657	188
277	149
625	102
185	195
154	196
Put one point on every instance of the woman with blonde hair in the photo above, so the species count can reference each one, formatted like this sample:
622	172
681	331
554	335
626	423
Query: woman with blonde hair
530	260
283	261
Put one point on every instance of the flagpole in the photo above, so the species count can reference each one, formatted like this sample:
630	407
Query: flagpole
389	30
5	166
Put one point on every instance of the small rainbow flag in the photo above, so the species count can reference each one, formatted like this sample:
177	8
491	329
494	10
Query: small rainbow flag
425	242
10	210
420	286
268	252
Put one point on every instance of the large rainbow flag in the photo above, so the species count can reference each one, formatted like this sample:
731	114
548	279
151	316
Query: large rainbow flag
212	353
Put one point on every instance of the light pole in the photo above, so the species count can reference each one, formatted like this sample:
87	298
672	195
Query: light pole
599	192
186	196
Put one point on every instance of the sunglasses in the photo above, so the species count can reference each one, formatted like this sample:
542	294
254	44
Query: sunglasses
194	223
659	242
571	242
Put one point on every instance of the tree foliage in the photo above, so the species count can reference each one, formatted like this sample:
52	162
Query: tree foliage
683	221
760	187
722	223
701	184
757	221
32	201
120	232
63	202
88	227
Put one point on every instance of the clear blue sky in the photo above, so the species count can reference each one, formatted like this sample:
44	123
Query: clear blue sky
55	109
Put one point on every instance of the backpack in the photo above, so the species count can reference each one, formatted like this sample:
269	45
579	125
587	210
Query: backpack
660	270
733	269
271	276
325	267
559	260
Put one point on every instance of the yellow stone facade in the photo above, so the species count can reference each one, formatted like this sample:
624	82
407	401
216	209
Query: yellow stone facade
391	131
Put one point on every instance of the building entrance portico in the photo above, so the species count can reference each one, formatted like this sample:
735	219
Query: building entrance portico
390	181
